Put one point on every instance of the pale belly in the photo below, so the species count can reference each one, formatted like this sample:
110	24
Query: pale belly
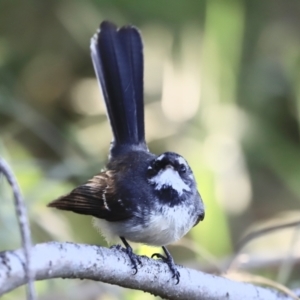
162	228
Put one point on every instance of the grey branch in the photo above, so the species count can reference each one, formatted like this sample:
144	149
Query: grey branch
68	260
23	225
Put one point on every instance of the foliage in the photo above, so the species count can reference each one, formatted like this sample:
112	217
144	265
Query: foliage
221	88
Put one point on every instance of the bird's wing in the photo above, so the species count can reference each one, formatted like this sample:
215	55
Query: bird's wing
97	198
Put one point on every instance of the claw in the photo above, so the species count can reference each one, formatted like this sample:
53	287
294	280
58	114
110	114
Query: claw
135	260
118	247
168	259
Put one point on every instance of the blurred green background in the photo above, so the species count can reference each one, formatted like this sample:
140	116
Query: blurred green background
221	88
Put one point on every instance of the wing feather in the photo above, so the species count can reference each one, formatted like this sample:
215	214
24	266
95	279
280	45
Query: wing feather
95	198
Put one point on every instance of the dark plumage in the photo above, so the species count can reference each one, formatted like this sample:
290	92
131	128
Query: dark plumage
118	61
140	197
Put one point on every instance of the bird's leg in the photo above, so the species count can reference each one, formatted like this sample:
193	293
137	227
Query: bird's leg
168	259
135	260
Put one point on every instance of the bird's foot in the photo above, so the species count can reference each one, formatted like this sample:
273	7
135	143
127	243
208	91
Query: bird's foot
135	259
118	247
168	259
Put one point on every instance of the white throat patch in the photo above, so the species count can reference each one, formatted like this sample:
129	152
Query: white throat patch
169	177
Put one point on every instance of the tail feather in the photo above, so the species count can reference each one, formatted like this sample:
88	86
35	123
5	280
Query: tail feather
117	56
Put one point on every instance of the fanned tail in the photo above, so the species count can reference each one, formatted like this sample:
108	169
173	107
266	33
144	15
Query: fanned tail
117	56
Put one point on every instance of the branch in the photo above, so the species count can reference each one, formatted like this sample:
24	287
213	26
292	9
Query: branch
68	260
23	225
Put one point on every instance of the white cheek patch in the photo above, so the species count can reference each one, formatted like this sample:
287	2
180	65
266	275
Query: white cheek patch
192	176
169	177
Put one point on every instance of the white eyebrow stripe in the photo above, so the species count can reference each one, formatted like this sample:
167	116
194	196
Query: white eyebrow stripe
161	157
169	177
182	161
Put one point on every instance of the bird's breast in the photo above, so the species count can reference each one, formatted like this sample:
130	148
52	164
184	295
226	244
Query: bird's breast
160	226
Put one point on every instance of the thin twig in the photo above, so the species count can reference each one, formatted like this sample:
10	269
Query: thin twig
232	264
23	224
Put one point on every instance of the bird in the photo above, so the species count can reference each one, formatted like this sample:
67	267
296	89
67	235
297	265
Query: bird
140	196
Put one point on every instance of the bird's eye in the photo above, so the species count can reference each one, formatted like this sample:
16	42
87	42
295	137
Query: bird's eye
156	164
182	168
152	169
